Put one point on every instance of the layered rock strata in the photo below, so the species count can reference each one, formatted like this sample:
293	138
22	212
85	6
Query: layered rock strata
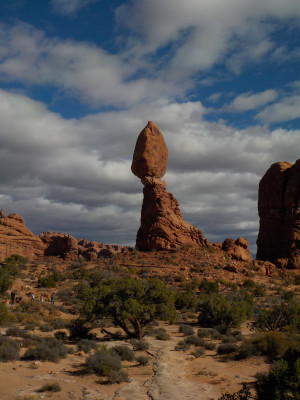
279	211
15	238
162	225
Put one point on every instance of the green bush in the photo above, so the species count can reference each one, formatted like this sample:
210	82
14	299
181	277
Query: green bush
281	316
185	300
9	349
133	304
47	282
182	345
195	340
4	314
142	360
79	329
141	345
87	345
209	287
17	332
242	394
198	352
50	349
227	348
282	382
102	363
124	352
187	330
117	377
216	310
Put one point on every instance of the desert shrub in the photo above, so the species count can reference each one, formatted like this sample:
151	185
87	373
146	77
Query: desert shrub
102	363
217	310
227	348
64	294
282	382
9	349
82	290
141	345
50	387
118	377
87	345
16	332
46	281
59	324
198	352
142	360
81	273
46	328
271	344
242	394
132	304
210	346
209	287
78	329
195	340
280	316
185	300
246	350
186	330
297	280
6	281
29	326
206	332
162	336
50	349
60	335
124	352
4	314
182	345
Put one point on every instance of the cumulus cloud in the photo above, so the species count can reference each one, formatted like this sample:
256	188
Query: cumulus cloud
74	175
285	110
251	101
70	6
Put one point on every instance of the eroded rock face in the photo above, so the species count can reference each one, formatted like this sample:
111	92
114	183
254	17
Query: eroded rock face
60	245
150	155
279	211
15	238
162	225
237	249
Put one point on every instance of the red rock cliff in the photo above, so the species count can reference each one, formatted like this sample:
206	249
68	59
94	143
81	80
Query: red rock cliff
279	211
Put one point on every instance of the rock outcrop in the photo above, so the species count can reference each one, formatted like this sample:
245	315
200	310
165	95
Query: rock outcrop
60	245
162	225
15	238
279	211
238	249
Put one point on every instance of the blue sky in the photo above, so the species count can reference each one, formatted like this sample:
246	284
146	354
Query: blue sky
79	79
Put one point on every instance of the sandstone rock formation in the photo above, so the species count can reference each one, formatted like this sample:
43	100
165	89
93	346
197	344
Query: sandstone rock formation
162	225
60	245
238	249
15	238
279	211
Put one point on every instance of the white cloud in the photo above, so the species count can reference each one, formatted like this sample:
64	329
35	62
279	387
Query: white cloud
285	110
74	175
70	6
251	101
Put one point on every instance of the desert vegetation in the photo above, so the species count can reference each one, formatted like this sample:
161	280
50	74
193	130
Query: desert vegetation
109	321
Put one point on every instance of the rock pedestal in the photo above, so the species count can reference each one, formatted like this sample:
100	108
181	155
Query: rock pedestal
162	224
279	211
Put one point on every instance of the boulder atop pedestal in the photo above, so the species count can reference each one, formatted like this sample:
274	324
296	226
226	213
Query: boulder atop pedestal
150	155
162	224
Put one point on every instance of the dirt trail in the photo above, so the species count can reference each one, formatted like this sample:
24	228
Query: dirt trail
170	380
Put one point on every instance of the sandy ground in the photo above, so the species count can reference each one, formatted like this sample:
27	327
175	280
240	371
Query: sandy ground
173	375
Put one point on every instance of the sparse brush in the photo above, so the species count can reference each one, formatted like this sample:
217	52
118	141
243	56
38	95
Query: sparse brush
50	387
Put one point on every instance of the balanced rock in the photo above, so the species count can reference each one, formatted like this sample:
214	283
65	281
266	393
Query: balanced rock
162	225
150	155
279	211
15	238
